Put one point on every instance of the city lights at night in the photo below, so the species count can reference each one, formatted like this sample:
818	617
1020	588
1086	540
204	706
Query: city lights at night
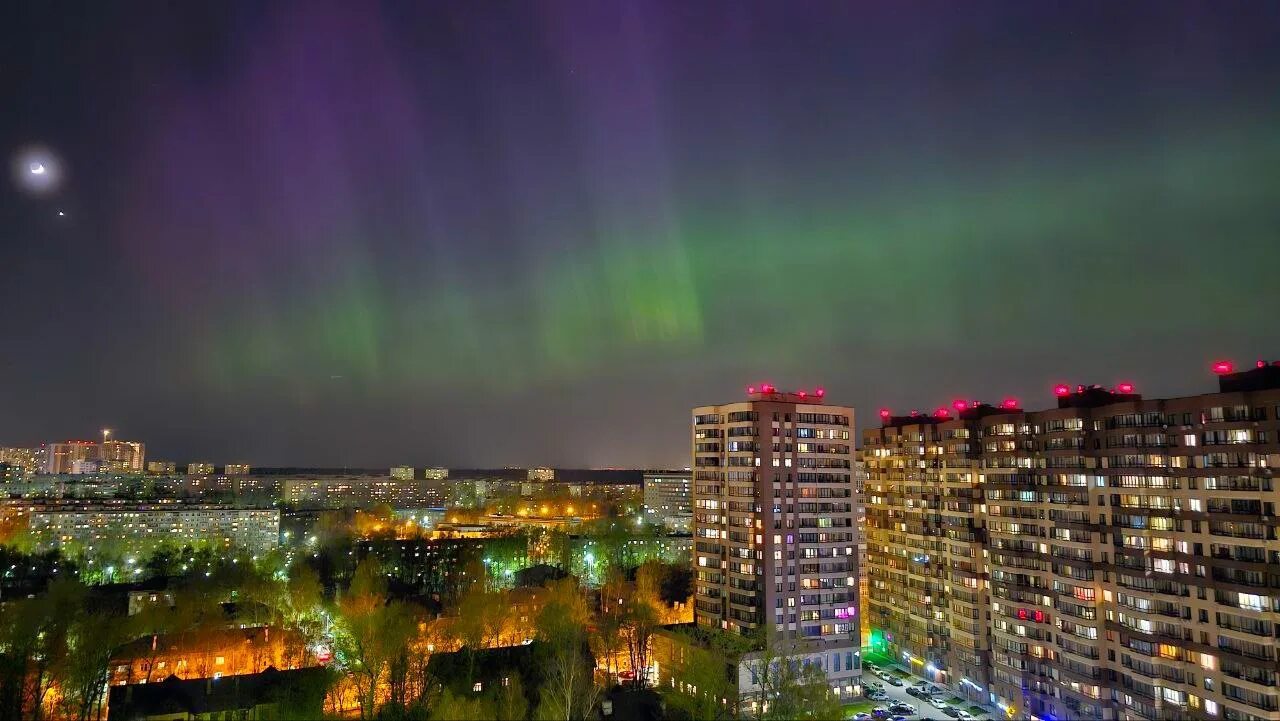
654	361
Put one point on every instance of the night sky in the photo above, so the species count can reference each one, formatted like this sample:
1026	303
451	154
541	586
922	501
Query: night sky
491	233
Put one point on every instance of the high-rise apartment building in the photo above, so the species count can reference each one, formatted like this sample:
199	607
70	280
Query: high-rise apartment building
236	469
199	469
402	473
1128	550
774	538
123	456
71	457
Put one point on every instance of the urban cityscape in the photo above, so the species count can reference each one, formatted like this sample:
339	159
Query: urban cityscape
641	361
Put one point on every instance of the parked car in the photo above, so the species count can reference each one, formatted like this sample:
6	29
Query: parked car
862	716
939	703
903	709
898	718
876	695
964	715
893	680
880	712
915	691
951	711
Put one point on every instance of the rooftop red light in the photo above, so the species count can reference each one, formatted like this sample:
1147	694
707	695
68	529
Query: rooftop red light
1125	388
1261	363
802	394
751	390
884	413
820	392
1223	366
1009	403
942	413
1062	389
959	404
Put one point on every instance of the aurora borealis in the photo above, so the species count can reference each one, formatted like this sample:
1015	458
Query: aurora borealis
479	234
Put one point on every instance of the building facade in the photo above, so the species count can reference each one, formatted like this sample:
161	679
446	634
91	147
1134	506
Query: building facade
236	469
123	456
141	528
199	469
668	499
1129	547
72	457
402	473
774	538
161	468
26	461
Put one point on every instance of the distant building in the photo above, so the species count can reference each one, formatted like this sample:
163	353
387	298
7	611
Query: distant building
123	456
668	499
402	473
236	469
160	468
435	474
68	455
221	654
343	491
199	469
9	474
140	528
25	461
542	474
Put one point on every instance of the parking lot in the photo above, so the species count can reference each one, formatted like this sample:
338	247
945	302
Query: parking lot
922	708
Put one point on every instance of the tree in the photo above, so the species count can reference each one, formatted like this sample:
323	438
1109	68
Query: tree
511	704
705	687
639	623
787	686
569	691
374	633
461	708
94	640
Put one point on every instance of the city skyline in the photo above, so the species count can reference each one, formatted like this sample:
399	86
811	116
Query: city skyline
1194	383
353	236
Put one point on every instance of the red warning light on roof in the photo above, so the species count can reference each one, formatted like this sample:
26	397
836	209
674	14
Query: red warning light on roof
942	413
884	413
802	394
1125	387
915	413
751	390
820	392
1009	403
1223	366
1260	364
1062	389
959	404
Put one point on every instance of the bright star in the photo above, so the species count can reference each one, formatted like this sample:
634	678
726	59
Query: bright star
37	168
